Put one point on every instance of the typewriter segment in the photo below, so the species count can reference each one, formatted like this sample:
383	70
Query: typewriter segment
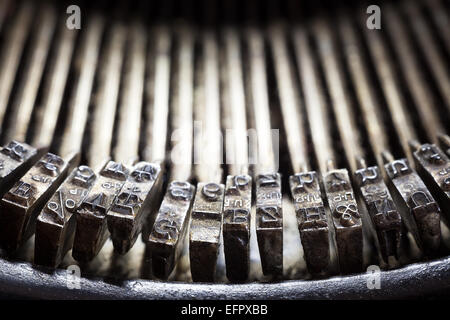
224	141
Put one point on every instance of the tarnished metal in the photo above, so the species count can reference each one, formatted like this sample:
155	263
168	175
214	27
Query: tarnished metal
259	105
135	202
385	222
15	159
419	210
205	229
430	49
91	231
291	108
166	238
340	99
78	106
346	220
55	83
4	6
381	208
206	222
368	101
413	74
21	205
130	111
347	225
156	132
238	191
55	226
269	217
316	109
14	44
444	143
305	190
25	99
269	223
390	85
439	16
312	220
434	168
104	112
236	226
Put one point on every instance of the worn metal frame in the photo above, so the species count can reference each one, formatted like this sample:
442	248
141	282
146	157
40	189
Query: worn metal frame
413	281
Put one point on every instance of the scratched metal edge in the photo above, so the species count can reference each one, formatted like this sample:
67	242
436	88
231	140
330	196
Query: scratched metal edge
413	281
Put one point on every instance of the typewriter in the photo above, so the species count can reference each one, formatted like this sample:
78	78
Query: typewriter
224	149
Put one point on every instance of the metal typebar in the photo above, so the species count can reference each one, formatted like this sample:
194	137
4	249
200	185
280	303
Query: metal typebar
304	184
390	86
340	100
129	125
314	101
238	192
54	87
346	218
56	223
385	221
157	131
25	100
269	213
4	6
78	106
419	88
11	53
21	205
420	212
291	109
166	239
105	108
136	203
91	228
368	102
206	222
15	159
440	18
430	49
444	142
433	165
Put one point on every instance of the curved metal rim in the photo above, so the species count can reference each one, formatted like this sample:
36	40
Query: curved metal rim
415	280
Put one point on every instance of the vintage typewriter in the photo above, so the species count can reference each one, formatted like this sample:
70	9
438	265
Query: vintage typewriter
224	149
